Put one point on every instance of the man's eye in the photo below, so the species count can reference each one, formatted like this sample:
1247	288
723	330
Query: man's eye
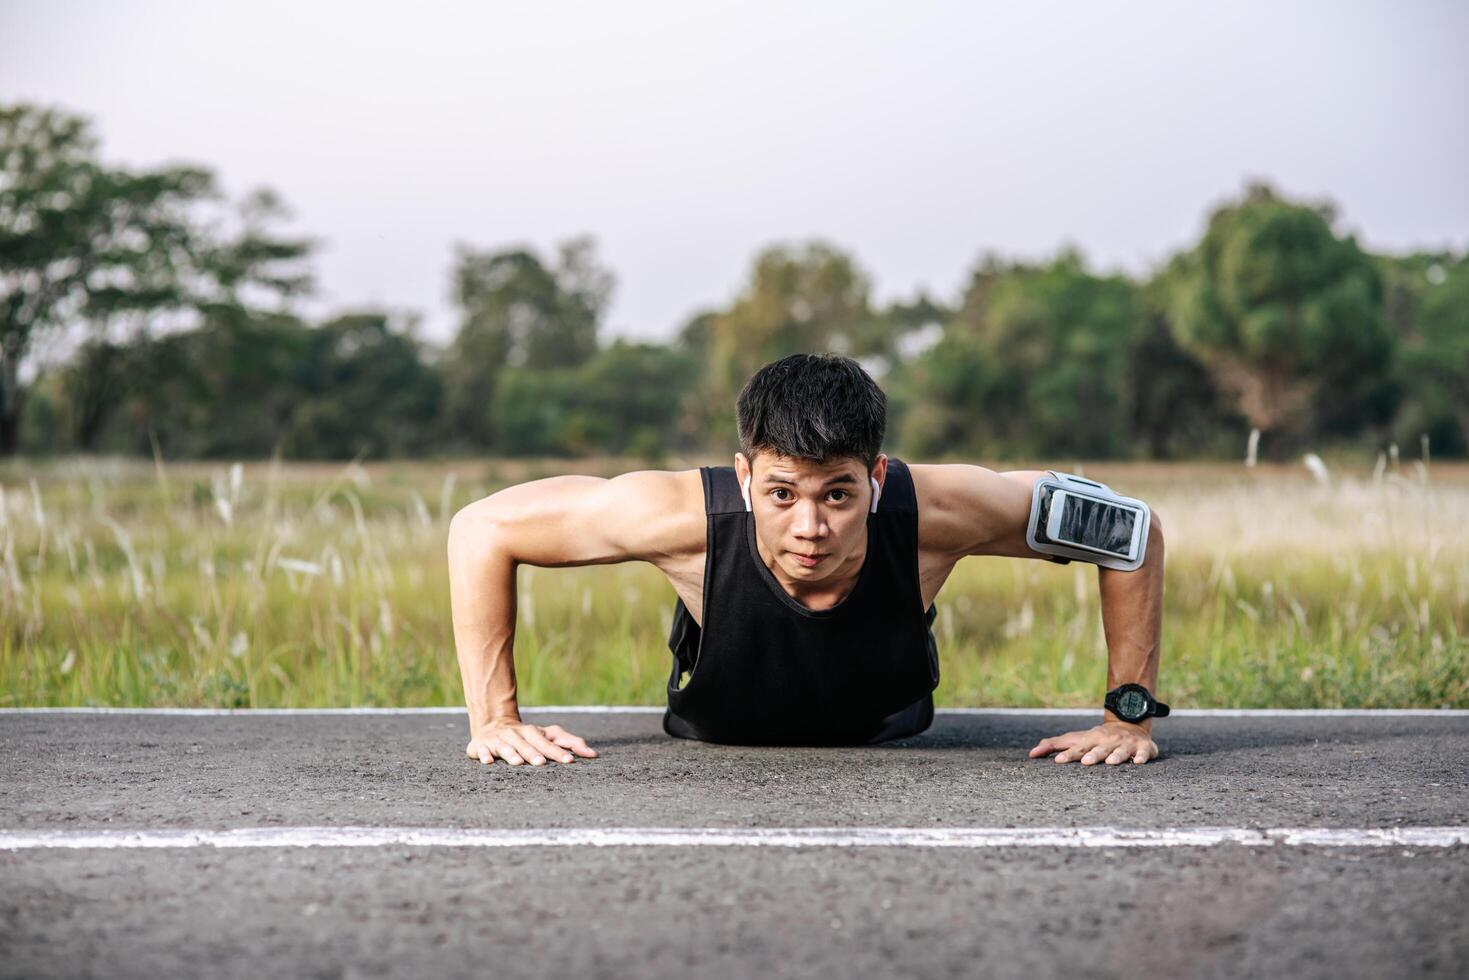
844	493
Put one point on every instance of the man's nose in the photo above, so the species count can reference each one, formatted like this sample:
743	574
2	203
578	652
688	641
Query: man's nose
810	522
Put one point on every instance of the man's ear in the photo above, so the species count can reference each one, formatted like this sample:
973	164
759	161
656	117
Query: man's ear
880	469
743	475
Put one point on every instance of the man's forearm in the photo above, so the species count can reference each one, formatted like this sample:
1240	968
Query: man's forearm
1132	619
482	597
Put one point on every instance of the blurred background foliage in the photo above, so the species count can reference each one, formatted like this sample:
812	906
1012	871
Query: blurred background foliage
186	340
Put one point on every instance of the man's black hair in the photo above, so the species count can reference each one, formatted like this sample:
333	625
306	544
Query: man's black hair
817	407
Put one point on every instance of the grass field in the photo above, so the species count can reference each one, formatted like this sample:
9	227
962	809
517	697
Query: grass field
126	582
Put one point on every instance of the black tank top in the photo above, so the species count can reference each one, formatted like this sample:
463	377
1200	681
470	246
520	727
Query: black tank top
765	670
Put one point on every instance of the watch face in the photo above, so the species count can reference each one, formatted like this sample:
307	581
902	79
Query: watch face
1132	704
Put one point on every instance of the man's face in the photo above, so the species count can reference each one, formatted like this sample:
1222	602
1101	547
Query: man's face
803	508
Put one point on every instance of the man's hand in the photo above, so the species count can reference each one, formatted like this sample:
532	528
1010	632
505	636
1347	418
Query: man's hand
517	742
1114	741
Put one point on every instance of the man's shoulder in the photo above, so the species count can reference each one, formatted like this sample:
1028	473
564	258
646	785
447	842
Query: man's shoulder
668	508
680	491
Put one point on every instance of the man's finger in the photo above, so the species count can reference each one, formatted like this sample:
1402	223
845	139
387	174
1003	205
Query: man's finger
1096	752
574	743
506	751
560	736
547	747
1079	749
1069	740
527	751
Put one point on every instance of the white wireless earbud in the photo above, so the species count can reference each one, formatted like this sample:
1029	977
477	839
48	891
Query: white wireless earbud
745	492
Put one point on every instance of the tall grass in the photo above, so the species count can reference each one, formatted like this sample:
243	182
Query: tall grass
310	584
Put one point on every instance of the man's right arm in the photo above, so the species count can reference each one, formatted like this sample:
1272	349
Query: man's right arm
555	522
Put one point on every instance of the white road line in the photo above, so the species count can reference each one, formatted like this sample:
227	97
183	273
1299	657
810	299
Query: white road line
968	837
615	709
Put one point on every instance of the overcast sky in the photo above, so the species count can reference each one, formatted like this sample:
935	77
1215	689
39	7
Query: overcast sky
684	136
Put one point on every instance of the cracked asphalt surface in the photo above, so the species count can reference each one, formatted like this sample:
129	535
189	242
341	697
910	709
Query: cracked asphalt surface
1221	911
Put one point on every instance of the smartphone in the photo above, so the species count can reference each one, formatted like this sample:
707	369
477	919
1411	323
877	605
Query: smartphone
1101	526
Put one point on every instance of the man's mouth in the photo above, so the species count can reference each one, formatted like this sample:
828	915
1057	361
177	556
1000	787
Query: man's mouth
808	560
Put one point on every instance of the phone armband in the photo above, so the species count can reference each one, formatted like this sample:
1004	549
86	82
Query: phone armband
1076	519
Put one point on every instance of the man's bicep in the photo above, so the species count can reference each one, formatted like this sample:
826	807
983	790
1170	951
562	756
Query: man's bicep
578	520
974	510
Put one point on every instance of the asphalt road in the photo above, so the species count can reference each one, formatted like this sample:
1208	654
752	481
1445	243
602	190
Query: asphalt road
395	909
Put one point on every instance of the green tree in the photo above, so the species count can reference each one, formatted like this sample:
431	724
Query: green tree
518	312
1434	331
630	398
228	388
363	389
696	335
1034	362
946	394
1176	409
1278	307
94	384
803	298
85	244
249	383
77	240
626	400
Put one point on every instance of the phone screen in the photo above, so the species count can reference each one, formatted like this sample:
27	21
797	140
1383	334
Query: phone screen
1088	523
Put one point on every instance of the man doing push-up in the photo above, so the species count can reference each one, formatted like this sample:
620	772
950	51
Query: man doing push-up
806	575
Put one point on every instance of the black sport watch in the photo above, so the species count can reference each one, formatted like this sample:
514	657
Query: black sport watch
1133	702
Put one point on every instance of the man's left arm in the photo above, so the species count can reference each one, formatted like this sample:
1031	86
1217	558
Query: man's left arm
1132	619
971	510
